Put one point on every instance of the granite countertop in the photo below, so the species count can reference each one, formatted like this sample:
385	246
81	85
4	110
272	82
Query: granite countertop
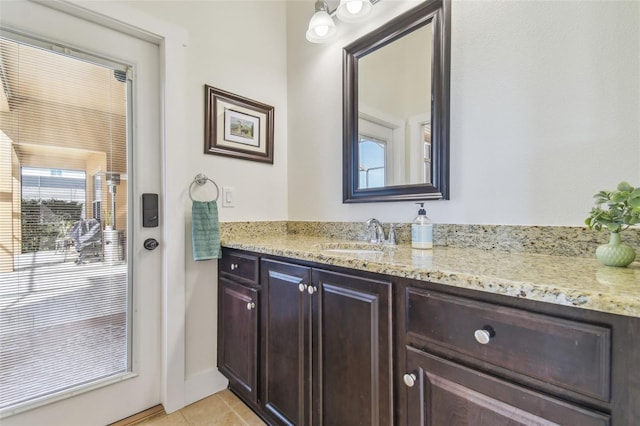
571	281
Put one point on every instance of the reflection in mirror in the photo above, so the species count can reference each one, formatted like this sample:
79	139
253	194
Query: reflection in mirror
396	109
394	112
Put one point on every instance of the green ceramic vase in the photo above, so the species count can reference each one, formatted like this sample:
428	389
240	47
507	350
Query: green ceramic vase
615	253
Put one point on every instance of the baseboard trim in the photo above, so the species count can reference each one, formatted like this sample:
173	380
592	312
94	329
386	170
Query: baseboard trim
147	414
202	385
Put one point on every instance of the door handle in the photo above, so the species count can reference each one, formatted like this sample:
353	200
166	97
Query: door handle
151	243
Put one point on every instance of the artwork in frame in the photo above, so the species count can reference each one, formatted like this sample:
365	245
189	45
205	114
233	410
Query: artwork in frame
237	127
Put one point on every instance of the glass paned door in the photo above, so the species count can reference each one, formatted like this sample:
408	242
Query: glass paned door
114	181
64	276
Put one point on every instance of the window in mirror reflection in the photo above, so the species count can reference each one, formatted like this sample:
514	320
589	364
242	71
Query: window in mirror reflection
426	151
372	158
376	149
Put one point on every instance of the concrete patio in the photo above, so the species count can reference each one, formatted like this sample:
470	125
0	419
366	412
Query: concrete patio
61	324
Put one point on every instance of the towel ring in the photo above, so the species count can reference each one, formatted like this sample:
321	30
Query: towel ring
201	179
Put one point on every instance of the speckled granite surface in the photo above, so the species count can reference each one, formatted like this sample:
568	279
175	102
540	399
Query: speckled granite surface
566	280
553	240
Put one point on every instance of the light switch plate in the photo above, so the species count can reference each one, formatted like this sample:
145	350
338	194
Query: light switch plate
228	196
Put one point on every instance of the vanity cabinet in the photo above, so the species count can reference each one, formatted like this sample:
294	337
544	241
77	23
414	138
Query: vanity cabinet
238	304
468	362
326	347
305	343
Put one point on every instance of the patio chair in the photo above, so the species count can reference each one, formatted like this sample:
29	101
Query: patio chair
87	237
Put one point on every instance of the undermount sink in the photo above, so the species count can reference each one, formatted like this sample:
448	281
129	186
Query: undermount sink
354	249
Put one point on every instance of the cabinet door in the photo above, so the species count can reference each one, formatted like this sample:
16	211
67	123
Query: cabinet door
445	393
352	370
285	343
238	335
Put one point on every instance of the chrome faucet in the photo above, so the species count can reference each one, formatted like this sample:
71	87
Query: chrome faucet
375	231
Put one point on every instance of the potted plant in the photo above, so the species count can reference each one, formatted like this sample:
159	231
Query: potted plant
617	211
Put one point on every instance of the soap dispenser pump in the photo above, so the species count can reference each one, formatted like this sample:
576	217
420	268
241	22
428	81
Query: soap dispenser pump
422	230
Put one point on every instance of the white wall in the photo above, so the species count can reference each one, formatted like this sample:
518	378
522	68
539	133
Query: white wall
239	47
545	112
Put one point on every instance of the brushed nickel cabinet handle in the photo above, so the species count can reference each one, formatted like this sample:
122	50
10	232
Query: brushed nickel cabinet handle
484	335
251	305
409	379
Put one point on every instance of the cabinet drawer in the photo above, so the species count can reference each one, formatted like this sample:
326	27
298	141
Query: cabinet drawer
239	265
568	354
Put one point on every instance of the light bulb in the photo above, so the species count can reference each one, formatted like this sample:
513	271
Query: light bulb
354	7
321	30
353	10
321	26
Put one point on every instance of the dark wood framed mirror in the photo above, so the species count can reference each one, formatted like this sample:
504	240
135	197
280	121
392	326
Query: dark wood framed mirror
396	109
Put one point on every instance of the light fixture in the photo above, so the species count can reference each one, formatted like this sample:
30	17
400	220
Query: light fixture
321	26
353	10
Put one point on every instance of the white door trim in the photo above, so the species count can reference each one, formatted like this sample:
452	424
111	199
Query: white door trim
173	42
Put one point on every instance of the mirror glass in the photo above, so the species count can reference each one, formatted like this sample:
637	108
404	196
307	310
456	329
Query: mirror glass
394	112
396	109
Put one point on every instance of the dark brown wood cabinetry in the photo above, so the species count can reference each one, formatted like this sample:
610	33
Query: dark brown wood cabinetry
353	382
286	354
567	354
479	360
320	350
446	393
309	344
326	340
238	304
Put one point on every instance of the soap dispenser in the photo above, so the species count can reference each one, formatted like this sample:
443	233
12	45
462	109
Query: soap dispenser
422	230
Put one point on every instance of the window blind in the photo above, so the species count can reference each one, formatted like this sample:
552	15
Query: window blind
64	286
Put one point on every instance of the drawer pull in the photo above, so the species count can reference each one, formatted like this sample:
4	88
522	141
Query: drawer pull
302	287
312	289
234	266
251	305
409	379
484	335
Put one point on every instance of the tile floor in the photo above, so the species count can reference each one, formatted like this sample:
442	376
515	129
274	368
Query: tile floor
220	409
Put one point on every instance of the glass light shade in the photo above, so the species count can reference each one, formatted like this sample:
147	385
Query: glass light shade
321	27
353	10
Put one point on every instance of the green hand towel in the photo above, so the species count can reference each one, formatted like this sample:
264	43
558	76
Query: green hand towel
205	230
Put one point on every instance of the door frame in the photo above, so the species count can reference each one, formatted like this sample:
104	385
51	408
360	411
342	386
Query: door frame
172	41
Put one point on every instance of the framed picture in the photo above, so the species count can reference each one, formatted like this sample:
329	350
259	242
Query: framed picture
237	127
